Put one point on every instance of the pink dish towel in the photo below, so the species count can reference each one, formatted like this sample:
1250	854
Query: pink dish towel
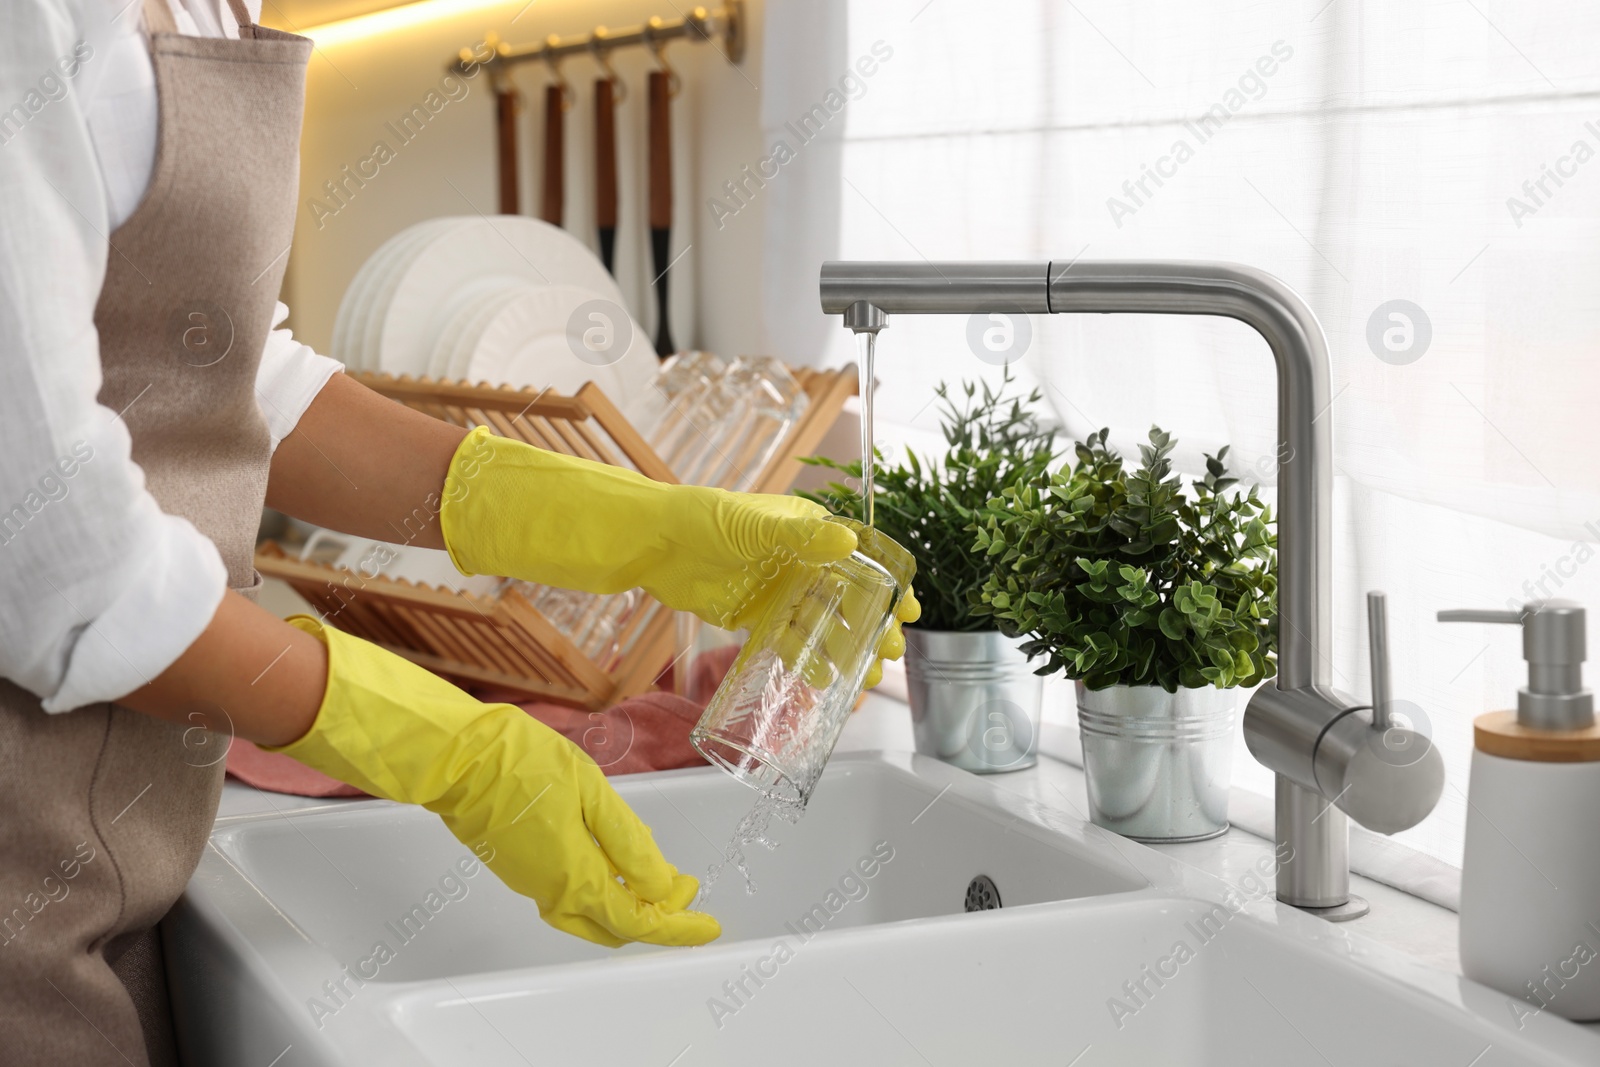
648	732
277	773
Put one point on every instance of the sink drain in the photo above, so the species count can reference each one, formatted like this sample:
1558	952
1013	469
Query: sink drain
982	894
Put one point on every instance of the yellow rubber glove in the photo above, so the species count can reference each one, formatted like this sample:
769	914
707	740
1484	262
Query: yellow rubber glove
531	804
513	510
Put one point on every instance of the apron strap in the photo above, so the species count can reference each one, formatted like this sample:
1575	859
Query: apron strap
158	17
241	15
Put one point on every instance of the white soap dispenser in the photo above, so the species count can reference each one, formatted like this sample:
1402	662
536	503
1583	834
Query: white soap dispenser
1530	880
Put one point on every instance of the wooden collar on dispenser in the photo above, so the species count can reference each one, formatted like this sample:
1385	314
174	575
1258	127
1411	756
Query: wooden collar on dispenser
1500	734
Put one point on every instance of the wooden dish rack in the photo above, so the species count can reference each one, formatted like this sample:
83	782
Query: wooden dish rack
502	640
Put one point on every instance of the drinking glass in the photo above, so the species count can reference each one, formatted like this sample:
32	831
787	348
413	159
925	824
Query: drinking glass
595	623
676	376
696	640
766	400
773	722
662	414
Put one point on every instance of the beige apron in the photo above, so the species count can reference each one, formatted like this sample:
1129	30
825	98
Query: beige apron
104	812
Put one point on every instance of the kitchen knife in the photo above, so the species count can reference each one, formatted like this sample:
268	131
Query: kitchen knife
661	201
605	169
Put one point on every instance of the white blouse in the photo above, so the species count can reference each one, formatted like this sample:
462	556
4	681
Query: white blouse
100	591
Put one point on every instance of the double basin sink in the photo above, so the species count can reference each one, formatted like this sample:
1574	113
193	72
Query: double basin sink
916	915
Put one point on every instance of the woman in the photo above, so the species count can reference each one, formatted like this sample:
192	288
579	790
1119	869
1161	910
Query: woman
148	408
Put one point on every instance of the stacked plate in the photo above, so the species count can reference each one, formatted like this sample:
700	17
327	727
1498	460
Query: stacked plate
506	300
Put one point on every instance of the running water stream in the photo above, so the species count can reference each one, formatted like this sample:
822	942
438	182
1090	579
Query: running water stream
866	354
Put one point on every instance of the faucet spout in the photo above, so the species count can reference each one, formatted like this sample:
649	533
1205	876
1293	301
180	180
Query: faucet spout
865	317
1287	720
1271	308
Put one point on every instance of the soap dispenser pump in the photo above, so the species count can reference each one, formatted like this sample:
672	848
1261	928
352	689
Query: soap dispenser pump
1530	880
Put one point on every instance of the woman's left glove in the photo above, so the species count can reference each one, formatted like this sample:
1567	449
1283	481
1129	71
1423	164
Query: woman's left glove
514	510
532	805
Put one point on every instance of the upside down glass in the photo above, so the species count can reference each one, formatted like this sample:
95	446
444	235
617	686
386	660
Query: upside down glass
773	722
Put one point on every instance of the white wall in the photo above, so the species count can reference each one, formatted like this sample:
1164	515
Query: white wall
355	87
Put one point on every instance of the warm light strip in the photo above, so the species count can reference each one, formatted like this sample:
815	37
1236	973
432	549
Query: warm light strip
392	19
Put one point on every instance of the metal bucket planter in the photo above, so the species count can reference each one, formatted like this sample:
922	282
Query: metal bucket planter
975	701
1158	763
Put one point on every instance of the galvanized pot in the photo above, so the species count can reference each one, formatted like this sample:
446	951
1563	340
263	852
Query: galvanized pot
1158	763
975	701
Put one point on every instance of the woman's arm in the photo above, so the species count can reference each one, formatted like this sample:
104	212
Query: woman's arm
249	675
364	465
356	462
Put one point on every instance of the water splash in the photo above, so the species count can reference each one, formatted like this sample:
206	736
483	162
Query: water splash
752	829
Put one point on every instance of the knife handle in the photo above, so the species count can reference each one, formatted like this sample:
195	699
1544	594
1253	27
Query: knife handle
605	153
660	150
555	190
506	105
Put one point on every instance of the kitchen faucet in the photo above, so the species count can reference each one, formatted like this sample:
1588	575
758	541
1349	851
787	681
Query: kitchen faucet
1329	757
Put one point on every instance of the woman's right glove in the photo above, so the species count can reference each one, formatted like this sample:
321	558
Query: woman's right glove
514	510
531	804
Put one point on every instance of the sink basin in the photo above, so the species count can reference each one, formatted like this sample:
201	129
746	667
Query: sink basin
364	934
1000	987
348	878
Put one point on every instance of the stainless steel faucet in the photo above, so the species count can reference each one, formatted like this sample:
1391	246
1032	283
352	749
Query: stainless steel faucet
1328	755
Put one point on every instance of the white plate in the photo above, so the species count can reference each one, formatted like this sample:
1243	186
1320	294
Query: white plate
350	342
474	322
479	247
345	345
459	316
408	245
525	343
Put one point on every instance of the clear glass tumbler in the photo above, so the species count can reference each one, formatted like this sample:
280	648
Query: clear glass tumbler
767	401
773	722
655	411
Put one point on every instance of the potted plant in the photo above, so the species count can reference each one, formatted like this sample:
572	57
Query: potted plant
1160	605
975	702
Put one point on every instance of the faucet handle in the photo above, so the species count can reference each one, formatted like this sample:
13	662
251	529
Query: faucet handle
1477	615
1384	773
1378	649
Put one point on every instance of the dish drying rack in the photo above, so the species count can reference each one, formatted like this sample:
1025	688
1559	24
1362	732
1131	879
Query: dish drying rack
502	640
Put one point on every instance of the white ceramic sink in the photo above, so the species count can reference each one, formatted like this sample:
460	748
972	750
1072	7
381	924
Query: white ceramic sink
275	950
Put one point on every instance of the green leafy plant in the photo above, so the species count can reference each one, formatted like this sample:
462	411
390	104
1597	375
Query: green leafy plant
1118	577
930	506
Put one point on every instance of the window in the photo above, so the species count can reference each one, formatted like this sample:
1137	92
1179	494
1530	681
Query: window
1426	175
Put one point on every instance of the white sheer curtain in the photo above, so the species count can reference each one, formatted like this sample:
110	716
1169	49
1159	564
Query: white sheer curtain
1441	154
